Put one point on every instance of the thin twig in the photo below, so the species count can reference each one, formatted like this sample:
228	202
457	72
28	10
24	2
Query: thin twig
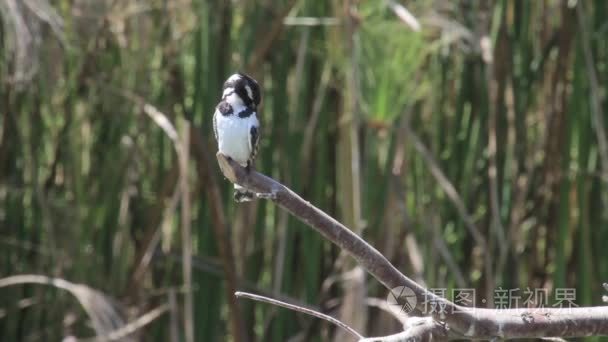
301	309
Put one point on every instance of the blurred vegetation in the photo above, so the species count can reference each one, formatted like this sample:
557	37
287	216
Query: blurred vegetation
473	154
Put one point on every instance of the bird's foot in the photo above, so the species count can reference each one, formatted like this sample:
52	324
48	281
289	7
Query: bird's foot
243	196
266	195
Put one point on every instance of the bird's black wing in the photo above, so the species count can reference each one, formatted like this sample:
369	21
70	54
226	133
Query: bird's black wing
254	141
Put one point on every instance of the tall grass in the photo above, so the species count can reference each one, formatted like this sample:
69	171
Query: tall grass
489	121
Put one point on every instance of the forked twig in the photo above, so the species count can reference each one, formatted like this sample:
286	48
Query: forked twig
453	321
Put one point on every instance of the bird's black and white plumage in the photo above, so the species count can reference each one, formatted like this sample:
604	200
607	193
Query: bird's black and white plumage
236	126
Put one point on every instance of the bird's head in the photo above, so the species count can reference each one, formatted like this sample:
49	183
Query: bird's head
243	88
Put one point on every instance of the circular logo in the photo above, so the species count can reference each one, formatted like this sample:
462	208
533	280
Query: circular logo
403	297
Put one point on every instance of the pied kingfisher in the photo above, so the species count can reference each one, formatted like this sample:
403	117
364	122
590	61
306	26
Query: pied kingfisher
236	126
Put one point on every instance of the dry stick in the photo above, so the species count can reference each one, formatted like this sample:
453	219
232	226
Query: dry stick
460	321
299	309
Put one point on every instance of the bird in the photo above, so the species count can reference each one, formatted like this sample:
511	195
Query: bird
236	125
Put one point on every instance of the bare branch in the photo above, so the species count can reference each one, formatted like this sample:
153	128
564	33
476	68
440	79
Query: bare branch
299	308
472	323
372	260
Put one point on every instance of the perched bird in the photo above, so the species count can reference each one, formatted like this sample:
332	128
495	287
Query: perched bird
236	125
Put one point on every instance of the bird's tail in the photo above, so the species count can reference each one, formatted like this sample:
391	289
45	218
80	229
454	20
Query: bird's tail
242	194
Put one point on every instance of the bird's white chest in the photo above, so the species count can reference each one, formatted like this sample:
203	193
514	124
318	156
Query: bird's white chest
233	135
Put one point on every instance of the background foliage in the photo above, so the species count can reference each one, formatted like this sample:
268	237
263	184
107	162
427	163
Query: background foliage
472	153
